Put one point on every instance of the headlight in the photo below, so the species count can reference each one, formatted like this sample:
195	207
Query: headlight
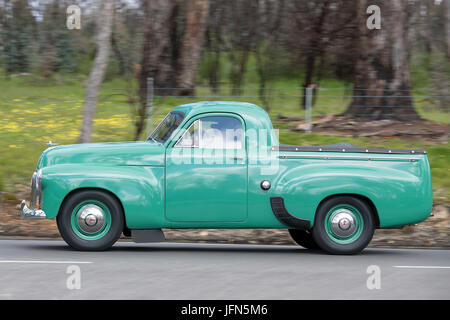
36	189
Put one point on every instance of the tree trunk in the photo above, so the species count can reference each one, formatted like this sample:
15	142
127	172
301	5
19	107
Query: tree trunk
262	79
213	73
381	88
315	50
446	8
191	45
269	18
123	63
118	54
310	67
103	41
156	48
238	68
425	32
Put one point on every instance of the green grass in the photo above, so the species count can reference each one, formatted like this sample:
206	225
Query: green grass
34	111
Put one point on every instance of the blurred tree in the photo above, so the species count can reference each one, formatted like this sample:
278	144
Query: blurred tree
195	18
126	36
425	30
320	23
123	64
269	17
446	10
381	88
103	40
159	50
173	37
315	15
18	32
214	43
240	29
341	51
261	41
56	43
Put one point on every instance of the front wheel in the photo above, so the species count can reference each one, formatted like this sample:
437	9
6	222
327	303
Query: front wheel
343	225
90	220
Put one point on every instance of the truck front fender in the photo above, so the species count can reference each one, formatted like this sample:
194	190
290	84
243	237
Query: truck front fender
140	189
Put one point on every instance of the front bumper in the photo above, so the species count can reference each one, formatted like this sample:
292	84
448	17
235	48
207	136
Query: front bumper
34	211
27	213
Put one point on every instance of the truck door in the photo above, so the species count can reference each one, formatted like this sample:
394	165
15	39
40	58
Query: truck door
206	171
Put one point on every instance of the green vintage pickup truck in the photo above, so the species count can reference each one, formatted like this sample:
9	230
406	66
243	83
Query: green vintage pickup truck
219	165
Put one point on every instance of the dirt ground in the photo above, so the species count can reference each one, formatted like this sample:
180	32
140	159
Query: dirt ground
433	233
332	124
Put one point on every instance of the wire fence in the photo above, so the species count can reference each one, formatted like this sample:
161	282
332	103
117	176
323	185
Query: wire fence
303	103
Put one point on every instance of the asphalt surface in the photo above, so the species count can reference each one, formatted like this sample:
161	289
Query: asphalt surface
37	269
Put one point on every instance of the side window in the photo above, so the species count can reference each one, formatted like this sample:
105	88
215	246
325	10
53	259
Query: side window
190	138
213	133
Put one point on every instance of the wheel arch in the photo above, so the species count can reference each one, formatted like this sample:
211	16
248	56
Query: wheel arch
365	199
109	192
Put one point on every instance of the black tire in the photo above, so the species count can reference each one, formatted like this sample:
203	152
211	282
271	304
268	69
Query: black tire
108	239
303	238
326	242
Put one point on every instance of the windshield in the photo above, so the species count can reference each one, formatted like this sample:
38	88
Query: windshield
167	126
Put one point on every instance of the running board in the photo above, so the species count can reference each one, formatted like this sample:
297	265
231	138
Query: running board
147	235
280	212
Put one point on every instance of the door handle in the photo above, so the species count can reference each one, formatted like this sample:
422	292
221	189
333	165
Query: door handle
240	160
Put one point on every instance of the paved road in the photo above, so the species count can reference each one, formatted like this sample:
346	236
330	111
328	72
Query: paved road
33	269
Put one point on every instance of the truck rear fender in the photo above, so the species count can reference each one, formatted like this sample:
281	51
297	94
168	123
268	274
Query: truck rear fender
399	192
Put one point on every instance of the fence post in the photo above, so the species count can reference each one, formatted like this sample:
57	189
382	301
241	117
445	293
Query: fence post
149	115
309	94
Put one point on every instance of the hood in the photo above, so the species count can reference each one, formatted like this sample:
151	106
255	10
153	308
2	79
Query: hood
124	153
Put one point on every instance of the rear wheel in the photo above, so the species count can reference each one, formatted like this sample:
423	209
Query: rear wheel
90	220
343	225
303	238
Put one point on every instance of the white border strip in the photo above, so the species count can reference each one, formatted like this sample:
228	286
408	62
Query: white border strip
45	262
423	267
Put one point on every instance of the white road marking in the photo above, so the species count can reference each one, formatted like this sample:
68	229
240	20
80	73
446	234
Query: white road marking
45	262
423	267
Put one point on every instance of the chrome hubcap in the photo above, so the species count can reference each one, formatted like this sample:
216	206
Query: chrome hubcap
343	223
90	218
